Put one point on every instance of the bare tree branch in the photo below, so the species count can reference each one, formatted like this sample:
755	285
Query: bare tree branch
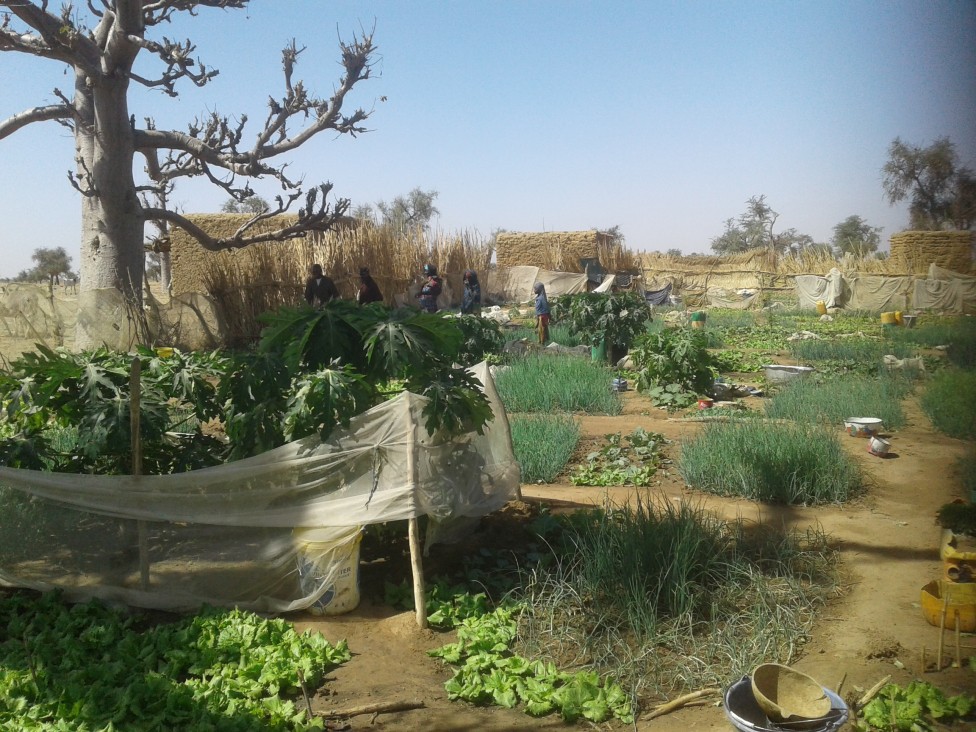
315	216
37	114
179	65
162	10
54	37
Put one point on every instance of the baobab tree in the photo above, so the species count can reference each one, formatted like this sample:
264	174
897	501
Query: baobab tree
117	201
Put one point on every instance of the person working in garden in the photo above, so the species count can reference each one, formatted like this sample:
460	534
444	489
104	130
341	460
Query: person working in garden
430	290
471	298
319	289
369	291
541	312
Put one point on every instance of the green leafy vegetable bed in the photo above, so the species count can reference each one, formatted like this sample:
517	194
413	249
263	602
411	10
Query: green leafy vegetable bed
87	667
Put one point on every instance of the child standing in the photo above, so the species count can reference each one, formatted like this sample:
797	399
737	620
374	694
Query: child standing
541	312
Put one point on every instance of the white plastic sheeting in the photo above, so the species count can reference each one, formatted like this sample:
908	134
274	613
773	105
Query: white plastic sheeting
236	534
945	291
515	283
854	291
831	289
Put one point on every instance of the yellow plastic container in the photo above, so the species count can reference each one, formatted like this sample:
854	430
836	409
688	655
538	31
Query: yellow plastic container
898	318
954	597
164	352
888	319
958	559
821	307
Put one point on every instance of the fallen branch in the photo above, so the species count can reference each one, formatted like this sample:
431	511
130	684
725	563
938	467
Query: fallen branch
872	692
376	708
681	701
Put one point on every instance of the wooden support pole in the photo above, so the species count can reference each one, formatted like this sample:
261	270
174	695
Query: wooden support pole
135	396
417	567
416	561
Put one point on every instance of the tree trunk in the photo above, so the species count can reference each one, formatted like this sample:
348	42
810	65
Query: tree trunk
112	257
165	272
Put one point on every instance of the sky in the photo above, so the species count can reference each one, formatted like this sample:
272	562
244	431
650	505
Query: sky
662	118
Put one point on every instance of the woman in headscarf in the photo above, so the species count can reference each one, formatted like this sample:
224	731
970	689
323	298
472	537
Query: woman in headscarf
541	312
471	297
430	290
369	291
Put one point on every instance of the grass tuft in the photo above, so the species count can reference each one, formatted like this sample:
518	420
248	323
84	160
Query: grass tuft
776	463
543	444
948	401
553	383
672	598
832	401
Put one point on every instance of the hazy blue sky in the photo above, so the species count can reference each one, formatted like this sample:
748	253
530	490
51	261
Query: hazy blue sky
660	117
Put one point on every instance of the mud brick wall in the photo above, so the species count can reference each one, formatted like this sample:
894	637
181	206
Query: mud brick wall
555	250
913	251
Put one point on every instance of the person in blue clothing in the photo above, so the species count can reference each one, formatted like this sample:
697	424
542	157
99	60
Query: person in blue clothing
430	290
541	312
471	297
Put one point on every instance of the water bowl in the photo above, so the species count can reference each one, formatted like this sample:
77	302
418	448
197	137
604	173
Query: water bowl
863	426
778	374
878	446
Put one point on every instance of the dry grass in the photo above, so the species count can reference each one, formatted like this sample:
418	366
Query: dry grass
272	276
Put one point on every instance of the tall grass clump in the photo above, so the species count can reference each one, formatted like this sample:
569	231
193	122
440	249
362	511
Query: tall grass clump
543	444
670	598
928	333
555	383
857	354
832	401
775	463
966	467
948	401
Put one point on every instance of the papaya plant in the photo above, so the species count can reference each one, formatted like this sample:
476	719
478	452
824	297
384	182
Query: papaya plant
70	412
673	366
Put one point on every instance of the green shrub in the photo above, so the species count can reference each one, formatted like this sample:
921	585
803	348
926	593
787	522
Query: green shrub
831	401
948	401
543	444
776	463
556	383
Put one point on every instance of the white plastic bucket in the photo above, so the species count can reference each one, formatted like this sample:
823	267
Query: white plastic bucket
328	569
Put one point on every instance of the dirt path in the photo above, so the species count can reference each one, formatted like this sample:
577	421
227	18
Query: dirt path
888	545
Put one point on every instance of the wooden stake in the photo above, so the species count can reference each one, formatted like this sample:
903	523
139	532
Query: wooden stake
308	702
135	395
942	619
958	642
840	686
924	669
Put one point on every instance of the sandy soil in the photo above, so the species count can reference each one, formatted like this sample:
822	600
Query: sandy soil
888	545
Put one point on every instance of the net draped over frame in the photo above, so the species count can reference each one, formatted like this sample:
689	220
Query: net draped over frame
236	534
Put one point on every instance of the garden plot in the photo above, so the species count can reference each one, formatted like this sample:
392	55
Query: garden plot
885	541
